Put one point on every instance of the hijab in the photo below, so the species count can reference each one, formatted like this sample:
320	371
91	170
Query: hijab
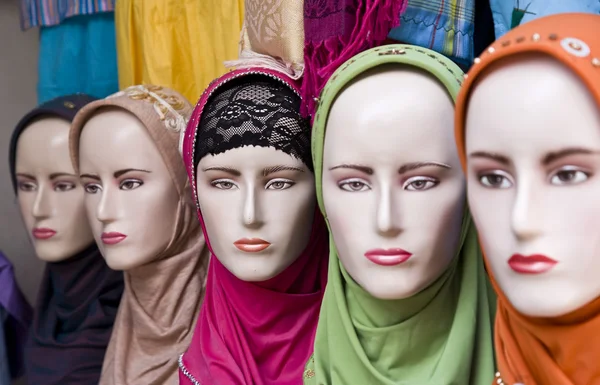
78	297
539	351
254	333
441	335
16	320
161	299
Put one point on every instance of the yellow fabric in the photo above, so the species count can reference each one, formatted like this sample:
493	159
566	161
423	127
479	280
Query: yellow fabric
180	44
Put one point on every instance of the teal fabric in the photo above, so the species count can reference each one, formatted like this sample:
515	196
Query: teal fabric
78	56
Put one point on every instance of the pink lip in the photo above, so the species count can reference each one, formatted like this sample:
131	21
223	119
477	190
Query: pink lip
532	264
43	233
388	257
112	238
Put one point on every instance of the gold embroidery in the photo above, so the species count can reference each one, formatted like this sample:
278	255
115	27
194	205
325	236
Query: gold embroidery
69	104
161	103
309	373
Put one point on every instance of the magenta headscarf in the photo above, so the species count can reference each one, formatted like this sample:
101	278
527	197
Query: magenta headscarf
251	333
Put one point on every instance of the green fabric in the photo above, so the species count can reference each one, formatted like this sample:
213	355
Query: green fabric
442	335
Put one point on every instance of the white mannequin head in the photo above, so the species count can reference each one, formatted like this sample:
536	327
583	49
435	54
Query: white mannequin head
533	157
49	193
261	195
130	197
392	181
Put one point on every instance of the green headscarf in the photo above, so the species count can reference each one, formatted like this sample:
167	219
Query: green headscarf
440	336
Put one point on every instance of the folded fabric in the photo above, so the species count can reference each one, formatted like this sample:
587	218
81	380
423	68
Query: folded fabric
47	13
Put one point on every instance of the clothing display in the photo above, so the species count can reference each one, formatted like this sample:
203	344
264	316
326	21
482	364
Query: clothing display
161	299
176	44
254	332
336	30
78	297
46	13
78	56
559	350
446	27
441	335
15	319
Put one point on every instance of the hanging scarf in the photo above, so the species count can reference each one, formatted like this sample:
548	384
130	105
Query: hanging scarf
336	30
162	298
18	317
255	333
78	297
442	335
550	351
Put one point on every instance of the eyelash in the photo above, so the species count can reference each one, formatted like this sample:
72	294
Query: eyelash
220	184
27	186
360	184
554	178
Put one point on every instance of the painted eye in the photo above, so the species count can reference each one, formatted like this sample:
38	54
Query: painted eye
27	186
279	184
91	188
130	184
495	179
420	184
354	185
223	184
64	186
568	176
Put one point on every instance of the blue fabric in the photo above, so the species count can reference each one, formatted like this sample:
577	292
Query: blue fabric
78	56
509	14
4	369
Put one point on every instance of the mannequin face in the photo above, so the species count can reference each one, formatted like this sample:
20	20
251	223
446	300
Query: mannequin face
258	205
130	197
49	193
533	147
392	182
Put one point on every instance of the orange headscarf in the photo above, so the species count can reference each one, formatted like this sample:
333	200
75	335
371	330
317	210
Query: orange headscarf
535	351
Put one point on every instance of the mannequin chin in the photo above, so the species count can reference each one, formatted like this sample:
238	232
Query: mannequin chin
392	181
259	194
49	193
130	197
533	145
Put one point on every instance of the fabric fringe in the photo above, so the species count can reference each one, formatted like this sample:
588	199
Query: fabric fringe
373	21
249	58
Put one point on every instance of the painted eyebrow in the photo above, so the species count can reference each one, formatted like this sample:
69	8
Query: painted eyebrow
363	169
90	176
416	165
490	155
228	170
274	169
554	156
59	174
126	170
28	176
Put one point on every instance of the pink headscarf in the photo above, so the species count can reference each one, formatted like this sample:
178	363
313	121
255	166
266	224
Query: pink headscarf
251	333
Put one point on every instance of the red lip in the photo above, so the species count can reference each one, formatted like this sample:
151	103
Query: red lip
112	238
251	245
388	257
42	233
532	264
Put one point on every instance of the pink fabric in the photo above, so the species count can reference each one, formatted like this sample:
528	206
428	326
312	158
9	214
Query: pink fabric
255	333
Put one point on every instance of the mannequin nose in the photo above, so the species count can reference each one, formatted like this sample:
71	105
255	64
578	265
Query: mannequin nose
105	212
41	206
251	212
387	223
525	218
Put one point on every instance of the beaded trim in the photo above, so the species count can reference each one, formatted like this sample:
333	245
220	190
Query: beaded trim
185	371
499	380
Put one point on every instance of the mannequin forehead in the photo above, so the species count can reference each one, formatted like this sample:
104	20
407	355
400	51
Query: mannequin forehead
392	111
250	159
44	146
115	138
531	104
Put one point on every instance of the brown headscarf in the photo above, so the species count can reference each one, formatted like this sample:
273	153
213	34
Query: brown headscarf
549	351
162	299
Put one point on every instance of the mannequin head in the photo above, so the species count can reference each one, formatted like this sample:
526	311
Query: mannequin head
533	155
257	193
392	182
130	196
48	190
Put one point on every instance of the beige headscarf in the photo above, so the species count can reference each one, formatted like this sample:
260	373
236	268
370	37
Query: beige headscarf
162	299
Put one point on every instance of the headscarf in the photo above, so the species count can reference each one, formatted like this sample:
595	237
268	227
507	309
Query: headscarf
162	298
562	350
441	335
18	314
335	31
254	333
78	297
